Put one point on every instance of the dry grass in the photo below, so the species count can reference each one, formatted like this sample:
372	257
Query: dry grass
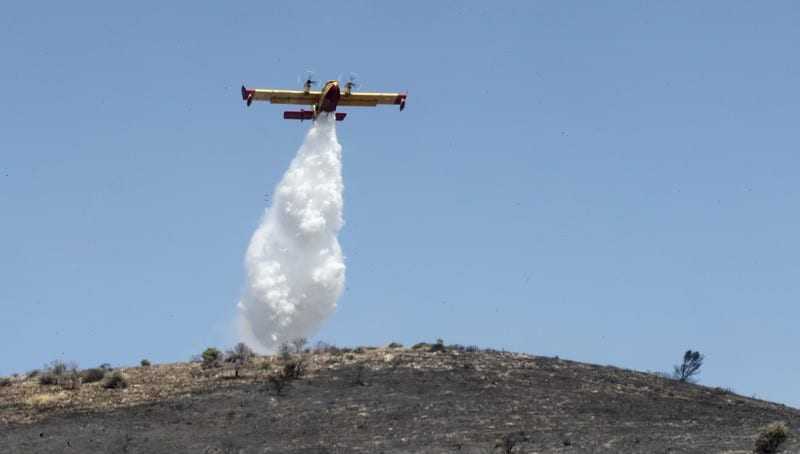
45	401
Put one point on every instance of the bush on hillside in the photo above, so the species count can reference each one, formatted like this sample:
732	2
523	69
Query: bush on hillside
58	373
93	375
771	438
438	346
292	370
115	380
211	358
144	363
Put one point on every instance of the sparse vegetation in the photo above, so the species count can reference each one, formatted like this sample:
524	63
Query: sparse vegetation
438	346
294	369
60	373
324	347
299	344
689	368
144	363
291	370
70	380
285	352
93	375
115	380
212	358
5	381
437	386
511	440
278	382
239	357
771	438
395	345
421	346
358	379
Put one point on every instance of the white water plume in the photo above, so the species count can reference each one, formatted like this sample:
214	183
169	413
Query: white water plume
294	264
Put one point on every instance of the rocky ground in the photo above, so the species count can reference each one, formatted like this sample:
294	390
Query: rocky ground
387	401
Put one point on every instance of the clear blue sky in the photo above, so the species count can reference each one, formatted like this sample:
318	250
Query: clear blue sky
612	183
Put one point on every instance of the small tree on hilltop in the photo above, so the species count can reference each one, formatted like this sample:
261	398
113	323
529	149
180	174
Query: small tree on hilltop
239	356
299	344
689	368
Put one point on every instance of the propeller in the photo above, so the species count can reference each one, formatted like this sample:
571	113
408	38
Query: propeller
351	82
309	80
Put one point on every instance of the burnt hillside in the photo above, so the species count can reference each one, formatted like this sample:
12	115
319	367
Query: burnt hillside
387	401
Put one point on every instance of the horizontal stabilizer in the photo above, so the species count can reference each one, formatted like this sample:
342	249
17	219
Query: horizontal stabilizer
298	115
307	115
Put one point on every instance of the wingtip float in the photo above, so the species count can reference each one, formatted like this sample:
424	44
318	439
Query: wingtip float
325	100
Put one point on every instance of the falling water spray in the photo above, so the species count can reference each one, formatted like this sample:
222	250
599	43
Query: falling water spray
294	264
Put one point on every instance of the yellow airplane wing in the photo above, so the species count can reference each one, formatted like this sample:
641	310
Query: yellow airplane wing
372	99
281	96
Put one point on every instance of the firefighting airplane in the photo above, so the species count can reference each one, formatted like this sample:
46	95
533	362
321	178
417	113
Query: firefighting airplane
325	100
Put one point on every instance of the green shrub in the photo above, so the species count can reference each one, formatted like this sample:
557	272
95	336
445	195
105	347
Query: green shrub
145	363
5	381
395	345
771	438
211	358
115	380
93	375
421	346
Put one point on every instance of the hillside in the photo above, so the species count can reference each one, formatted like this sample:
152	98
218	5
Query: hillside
387	401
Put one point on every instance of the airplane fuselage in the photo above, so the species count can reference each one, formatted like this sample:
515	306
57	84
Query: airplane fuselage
329	98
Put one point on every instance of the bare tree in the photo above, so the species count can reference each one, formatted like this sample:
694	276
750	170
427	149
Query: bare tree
689	368
239	356
299	344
